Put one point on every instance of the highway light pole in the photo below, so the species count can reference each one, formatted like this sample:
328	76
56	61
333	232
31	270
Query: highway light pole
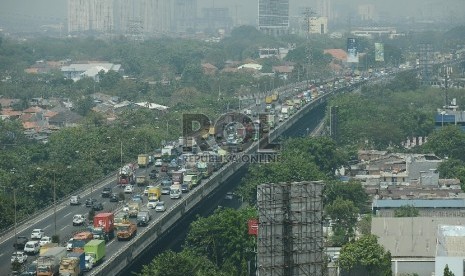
54	201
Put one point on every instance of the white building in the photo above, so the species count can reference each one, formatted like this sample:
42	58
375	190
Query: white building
450	249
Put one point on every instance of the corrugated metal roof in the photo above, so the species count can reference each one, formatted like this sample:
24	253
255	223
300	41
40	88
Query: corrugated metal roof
419	203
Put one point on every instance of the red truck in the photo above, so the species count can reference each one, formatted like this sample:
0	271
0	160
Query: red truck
104	226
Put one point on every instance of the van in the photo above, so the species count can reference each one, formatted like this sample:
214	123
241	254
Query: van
75	200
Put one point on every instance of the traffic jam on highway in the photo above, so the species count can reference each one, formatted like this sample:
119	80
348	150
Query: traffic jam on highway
143	190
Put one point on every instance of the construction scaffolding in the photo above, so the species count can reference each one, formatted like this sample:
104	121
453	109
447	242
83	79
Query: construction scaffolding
290	231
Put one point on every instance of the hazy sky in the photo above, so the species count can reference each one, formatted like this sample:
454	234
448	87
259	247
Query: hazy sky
51	10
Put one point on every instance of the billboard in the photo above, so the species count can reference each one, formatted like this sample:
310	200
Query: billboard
253	226
379	52
352	54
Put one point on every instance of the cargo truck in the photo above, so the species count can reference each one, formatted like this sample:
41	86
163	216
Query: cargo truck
167	153
177	177
105	223
95	249
126	231
143	160
126	175
271	121
205	168
191	180
44	248
141	180
80	239
133	208
48	264
73	264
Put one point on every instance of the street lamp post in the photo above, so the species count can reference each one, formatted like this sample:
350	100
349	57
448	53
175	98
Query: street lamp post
54	201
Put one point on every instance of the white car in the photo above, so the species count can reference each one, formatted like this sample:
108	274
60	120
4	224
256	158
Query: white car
152	204
32	247
78	219
128	189
45	240
37	234
19	256
160	207
69	245
158	163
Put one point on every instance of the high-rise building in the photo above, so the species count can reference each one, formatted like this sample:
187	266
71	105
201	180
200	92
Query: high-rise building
78	16
273	16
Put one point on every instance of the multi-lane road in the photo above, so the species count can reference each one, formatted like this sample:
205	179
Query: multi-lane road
61	219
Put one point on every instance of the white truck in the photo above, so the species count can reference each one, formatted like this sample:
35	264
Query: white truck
285	112
175	191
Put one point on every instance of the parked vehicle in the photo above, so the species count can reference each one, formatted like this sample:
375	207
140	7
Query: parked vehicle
96	249
19	257
75	200
126	231
32	247
37	234
79	220
48	264
106	192
143	218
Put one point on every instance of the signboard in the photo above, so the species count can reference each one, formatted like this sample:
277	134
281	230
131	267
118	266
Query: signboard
379	52
253	226
352	54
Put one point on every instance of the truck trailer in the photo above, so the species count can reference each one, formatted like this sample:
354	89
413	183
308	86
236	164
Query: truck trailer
48	264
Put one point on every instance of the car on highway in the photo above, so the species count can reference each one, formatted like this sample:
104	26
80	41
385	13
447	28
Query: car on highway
146	190
158	163
37	234
78	219
106	192
45	240
160	206
129	189
75	200
20	242
31	269
69	244
32	247
114	197
97	206
137	197
166	182
153	174
90	202
165	190
19	257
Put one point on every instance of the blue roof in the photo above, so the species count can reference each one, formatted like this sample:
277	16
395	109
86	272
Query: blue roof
419	203
446	118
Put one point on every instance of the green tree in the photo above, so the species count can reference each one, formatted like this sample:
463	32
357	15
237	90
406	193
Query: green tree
447	271
352	190
186	262
364	225
365	254
344	214
448	141
406	211
223	238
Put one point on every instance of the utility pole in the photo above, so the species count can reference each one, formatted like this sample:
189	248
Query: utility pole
54	201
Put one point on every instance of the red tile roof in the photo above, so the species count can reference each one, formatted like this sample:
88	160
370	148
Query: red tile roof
337	53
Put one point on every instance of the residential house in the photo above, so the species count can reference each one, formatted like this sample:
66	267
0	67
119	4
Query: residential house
76	71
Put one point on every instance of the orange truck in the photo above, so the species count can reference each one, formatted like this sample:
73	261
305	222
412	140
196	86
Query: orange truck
126	231
80	239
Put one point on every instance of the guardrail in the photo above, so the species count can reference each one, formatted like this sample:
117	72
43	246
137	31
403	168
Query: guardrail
130	250
39	214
